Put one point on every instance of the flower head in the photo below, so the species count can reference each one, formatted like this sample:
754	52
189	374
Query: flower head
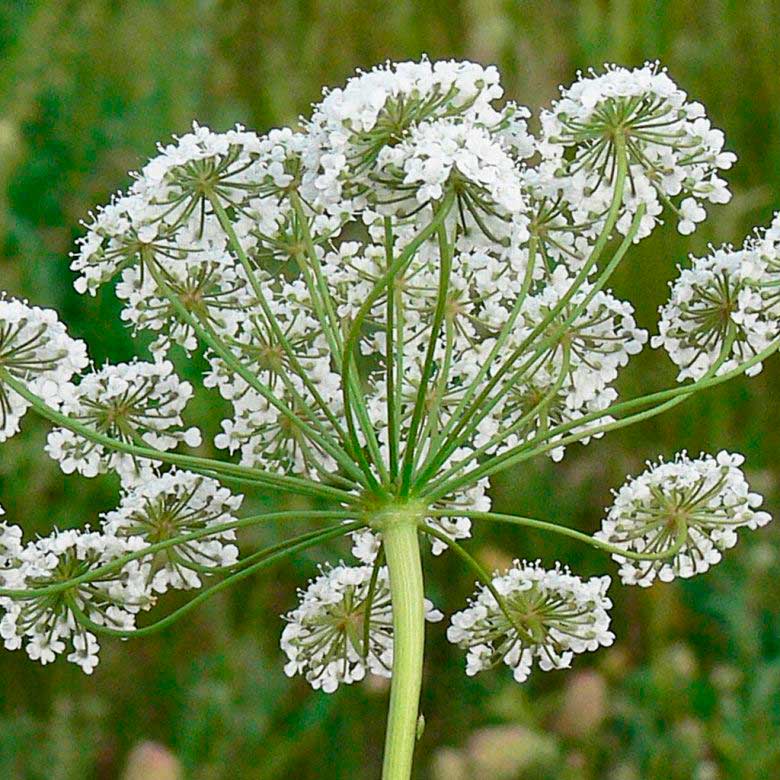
36	349
45	623
215	293
550	615
119	235
132	402
720	312
467	155
173	505
171	214
597	341
689	509
352	126
671	148
394	301
183	172
324	638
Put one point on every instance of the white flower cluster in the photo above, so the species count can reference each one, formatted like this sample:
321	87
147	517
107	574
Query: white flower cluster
163	214
573	359
214	292
167	231
599	340
387	145
547	615
353	125
47	622
435	152
271	253
258	427
134	402
177	504
674	153
67	603
724	309
391	140
36	349
325	635
767	243
690	509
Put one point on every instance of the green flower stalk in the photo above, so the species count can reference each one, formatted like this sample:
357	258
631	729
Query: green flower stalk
397	300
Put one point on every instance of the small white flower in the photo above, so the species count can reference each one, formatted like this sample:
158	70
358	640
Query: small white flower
691	212
85	652
44	648
366	545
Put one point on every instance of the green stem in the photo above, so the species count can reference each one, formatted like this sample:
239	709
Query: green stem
402	551
399	313
562	530
479	572
663	395
380	559
399	264
320	294
432	432
152	549
393	424
309	541
598	248
546	442
463	433
302	487
445	260
321	283
436	457
538	410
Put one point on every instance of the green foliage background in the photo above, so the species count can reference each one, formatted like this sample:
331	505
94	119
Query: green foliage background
692	687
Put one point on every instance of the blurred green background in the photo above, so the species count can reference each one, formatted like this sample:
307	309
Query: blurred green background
691	688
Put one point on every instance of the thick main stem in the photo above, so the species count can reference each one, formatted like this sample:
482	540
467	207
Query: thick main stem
402	552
